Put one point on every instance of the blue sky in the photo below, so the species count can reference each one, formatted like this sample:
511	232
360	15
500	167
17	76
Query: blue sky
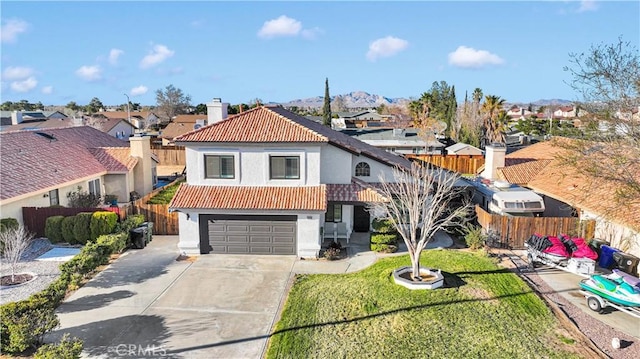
56	52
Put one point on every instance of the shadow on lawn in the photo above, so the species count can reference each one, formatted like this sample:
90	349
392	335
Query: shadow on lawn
352	320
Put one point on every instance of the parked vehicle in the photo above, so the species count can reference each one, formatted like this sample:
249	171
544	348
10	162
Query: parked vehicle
506	199
618	290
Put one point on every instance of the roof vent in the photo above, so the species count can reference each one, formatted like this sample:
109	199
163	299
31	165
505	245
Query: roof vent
47	136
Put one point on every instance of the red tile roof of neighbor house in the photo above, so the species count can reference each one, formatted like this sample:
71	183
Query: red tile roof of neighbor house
115	159
310	198
274	124
538	167
189	118
31	162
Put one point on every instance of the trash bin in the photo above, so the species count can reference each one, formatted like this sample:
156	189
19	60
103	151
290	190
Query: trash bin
626	262
596	244
606	257
149	227
137	237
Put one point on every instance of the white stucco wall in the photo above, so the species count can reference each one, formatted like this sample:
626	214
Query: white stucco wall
619	236
336	165
189	237
309	240
252	165
376	168
121	127
119	185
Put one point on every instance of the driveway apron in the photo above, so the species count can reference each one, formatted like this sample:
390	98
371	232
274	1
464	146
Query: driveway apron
148	304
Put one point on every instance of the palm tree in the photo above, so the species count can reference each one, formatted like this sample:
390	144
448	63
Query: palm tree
420	109
491	108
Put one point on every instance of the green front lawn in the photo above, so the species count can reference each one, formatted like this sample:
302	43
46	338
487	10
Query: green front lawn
491	313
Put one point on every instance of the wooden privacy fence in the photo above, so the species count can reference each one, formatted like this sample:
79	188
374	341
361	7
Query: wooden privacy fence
164	223
464	164
170	155
512	232
35	218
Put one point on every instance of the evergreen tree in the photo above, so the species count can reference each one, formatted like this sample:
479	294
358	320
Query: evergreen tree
326	109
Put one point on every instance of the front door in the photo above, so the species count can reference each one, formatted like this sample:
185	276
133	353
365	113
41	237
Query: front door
361	219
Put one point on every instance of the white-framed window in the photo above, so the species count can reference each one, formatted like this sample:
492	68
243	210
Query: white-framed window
94	187
54	198
284	167
363	169
219	166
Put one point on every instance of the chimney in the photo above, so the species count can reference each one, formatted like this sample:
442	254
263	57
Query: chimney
216	111
493	159
140	147
16	117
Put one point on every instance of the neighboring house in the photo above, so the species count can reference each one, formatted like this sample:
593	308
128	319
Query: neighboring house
116	127
565	112
358	119
463	149
567	193
398	140
14	120
266	181
39	168
181	125
139	119
518	113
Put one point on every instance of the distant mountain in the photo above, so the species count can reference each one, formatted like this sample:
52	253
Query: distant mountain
356	99
552	102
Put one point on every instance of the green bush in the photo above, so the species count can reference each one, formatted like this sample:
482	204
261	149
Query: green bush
383	238
384	248
132	221
117	242
67	348
81	227
474	237
7	223
53	229
102	222
383	225
67	229
24	323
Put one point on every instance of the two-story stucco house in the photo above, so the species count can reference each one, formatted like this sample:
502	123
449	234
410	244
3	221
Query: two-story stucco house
265	181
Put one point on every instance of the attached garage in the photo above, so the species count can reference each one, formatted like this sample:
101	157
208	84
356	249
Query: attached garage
236	234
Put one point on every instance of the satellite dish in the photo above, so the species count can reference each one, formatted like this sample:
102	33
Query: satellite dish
197	126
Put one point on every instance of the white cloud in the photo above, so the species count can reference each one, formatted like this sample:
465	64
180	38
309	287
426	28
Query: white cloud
24	85
12	73
47	90
467	57
156	56
282	26
89	73
114	54
12	28
140	90
587	5
385	47
311	34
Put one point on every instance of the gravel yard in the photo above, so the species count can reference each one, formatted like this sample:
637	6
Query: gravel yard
45	272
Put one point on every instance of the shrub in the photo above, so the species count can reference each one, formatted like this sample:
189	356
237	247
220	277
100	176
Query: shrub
53	228
81	227
383	225
24	323
8	223
117	242
67	229
67	348
384	248
474	237
132	221
102	222
82	199
383	238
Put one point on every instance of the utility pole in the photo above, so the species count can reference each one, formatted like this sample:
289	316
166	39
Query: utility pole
128	110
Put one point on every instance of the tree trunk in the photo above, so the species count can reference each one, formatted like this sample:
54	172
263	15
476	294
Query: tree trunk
415	263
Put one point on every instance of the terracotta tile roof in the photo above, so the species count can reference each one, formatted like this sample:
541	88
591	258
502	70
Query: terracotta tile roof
545	174
31	162
274	124
115	159
244	197
189	118
356	191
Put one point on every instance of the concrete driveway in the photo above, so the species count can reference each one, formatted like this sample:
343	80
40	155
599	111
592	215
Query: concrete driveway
148	304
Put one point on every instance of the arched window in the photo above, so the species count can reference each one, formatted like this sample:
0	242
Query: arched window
363	169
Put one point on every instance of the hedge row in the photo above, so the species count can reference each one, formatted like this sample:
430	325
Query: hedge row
385	237
24	323
81	228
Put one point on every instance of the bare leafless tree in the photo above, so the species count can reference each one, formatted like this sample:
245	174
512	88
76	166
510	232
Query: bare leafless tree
14	242
421	201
